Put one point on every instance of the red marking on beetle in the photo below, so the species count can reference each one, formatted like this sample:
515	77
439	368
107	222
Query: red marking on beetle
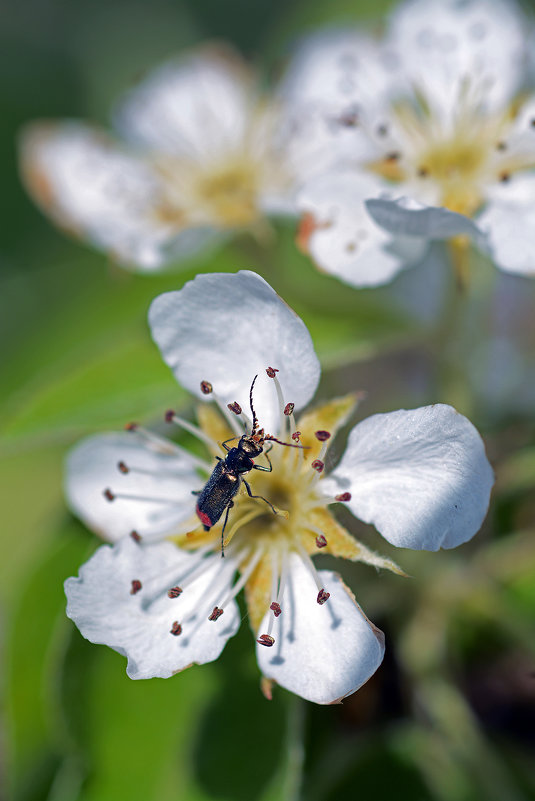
203	517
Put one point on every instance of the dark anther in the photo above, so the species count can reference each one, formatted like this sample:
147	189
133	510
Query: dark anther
382	130
394	156
174	592
135	536
131	426
234	407
505	177
501	146
108	494
169	416
323	436
176	628
296	435
288	409
344	496
323	596
321	541
271	371
275	608
206	387
266	639
136	586
122	467
318	465
423	172
349	120
216	613
532	122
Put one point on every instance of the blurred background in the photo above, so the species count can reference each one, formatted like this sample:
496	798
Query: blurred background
450	716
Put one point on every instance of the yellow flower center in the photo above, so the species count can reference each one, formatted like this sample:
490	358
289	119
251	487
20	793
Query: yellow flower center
230	192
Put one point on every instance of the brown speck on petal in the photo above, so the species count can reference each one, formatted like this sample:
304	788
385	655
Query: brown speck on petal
136	586
323	436
321	541
216	613
275	608
266	639
322	597
176	628
174	592
206	387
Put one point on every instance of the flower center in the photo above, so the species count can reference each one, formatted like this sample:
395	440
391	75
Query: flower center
230	193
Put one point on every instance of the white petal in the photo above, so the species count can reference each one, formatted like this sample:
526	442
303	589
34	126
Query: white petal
195	108
227	328
411	218
92	467
322	653
509	221
447	47
344	239
93	189
420	476
139	625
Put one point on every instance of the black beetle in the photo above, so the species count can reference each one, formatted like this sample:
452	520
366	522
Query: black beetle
228	474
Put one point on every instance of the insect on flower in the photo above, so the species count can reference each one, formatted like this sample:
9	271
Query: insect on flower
228	475
162	596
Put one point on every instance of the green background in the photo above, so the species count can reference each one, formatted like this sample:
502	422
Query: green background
451	714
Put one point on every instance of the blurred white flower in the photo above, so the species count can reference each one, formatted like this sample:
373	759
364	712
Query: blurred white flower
203	155
164	597
435	134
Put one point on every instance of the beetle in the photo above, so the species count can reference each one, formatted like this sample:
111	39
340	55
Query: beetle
216	497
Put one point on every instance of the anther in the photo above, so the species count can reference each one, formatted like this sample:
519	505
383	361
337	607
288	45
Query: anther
505	177
344	496
271	371
382	130
394	156
323	436
318	465
501	146
131	426
234	407
169	416
321	541
122	468
349	120
216	613
423	172
206	387
136	586
266	639
135	536
174	592
288	409
176	628
108	494
275	608
296	435
322	597
532	122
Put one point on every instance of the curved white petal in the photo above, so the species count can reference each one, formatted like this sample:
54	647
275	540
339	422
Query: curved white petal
196	107
448	48
322	653
509	221
91	187
227	328
405	216
420	476
92	467
138	625
343	239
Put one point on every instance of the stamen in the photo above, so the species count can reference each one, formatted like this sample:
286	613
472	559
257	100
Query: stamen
275	608
322	597
174	592
257	511
136	586
176	628
215	614
272	373
308	563
206	387
321	541
265	639
322	436
288	409
296	435
318	465
172	417
235	408
112	496
135	536
244	578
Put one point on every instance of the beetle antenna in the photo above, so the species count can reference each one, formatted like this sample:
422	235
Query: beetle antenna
288	444
253	413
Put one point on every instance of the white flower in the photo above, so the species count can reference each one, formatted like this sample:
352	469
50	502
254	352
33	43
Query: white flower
164	597
435	135
203	155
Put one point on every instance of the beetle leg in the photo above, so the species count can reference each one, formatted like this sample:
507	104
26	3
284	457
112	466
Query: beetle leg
196	492
224	444
250	494
264	469
229	507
